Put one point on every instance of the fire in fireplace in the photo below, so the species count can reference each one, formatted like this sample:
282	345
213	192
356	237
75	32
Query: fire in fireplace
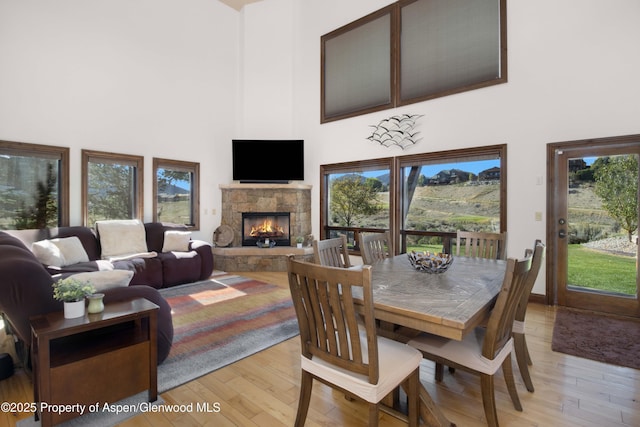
266	227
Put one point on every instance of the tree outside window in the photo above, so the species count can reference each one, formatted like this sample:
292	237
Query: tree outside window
356	198
33	186
112	186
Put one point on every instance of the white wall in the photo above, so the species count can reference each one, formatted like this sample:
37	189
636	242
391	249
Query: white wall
177	79
156	78
267	71
573	74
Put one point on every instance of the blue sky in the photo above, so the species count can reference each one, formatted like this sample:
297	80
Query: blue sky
473	167
431	170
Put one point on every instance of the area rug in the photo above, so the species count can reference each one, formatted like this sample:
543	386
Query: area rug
602	337
221	320
216	322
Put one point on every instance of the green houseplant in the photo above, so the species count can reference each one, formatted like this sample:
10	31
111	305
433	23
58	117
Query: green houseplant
72	292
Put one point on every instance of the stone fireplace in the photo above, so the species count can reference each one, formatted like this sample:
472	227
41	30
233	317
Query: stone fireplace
250	198
256	200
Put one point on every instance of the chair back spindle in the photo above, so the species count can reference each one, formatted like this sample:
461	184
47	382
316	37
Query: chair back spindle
375	247
481	244
332	252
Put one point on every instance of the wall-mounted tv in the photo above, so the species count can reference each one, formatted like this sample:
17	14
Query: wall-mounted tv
268	160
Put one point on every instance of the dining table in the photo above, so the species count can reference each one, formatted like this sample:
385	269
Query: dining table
449	304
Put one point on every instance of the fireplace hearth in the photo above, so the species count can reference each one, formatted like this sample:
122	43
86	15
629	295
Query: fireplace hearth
266	229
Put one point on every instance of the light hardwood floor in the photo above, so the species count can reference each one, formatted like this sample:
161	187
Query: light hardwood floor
263	390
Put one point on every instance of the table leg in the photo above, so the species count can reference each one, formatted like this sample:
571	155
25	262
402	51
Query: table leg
430	412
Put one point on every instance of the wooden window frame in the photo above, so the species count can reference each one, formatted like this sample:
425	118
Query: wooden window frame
396	190
90	156
447	157
347	167
191	167
49	151
394	10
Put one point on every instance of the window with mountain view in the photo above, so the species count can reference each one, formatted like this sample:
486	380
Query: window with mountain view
450	191
356	198
434	195
176	192
34	185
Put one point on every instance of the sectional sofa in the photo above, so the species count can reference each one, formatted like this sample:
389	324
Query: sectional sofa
31	260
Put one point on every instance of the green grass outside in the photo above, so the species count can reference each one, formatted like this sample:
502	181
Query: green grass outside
425	248
601	271
177	212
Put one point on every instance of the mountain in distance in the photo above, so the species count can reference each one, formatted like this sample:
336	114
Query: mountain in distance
171	190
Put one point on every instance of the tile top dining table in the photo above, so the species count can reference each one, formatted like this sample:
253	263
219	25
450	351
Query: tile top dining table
449	304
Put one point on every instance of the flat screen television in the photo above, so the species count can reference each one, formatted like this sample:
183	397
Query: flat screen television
268	160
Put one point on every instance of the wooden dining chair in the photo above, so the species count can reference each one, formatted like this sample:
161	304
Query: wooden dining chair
332	252
342	351
519	341
484	350
375	247
480	244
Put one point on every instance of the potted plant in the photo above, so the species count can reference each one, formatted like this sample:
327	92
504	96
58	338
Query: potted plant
72	293
299	241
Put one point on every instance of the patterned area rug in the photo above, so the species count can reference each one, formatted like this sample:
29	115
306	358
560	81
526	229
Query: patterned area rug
605	338
221	320
216	322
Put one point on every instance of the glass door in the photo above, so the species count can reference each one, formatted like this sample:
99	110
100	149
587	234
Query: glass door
594	224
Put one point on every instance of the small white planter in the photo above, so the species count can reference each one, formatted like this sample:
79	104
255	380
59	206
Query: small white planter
73	309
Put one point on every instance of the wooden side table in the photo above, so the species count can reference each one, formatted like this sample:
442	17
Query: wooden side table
98	358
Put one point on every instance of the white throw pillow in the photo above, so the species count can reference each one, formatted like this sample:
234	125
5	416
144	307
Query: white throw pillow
60	252
71	249
177	241
102	280
121	237
47	253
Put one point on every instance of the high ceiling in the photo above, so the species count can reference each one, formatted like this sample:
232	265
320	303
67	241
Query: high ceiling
237	4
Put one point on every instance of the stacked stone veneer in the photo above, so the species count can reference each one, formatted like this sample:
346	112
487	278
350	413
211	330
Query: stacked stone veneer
239	198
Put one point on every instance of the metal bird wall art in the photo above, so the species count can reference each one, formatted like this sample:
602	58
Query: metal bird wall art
396	130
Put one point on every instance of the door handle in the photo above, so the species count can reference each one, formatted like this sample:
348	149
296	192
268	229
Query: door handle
562	234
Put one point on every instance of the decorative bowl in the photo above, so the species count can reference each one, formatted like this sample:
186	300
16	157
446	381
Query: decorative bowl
430	262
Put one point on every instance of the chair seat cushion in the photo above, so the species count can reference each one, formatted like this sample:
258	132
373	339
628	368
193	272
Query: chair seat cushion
396	361
467	352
